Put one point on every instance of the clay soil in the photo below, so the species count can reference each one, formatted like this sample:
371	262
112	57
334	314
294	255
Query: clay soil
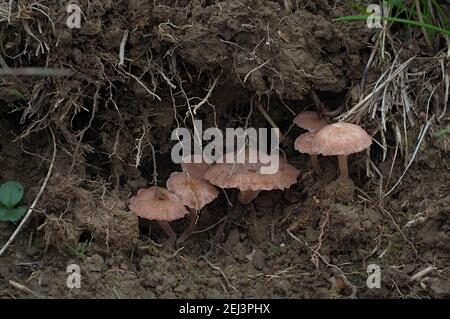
314	240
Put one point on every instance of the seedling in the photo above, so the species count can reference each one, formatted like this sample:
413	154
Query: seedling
11	194
81	250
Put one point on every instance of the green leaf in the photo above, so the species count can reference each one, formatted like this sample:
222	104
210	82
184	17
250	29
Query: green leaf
12	215
11	194
3	214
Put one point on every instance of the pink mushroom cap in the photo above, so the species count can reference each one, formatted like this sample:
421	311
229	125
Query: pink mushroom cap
306	143
247	176
195	166
192	191
341	139
157	203
310	121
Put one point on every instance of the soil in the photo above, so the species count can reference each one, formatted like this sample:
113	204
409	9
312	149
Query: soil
113	130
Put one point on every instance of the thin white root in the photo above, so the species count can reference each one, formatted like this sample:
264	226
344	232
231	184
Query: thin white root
24	289
207	97
122	48
422	273
221	272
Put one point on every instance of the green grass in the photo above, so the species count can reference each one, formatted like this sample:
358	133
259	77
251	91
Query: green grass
393	19
431	17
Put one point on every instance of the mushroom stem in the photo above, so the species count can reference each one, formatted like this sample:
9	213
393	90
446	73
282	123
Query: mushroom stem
170	243
246	197
315	162
343	168
190	229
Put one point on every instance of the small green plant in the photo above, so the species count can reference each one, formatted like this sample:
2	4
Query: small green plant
442	132
11	194
81	250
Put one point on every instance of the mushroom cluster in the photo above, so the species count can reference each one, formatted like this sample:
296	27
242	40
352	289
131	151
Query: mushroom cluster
189	191
248	178
337	139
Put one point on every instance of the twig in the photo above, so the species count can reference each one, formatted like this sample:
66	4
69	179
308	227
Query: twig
255	69
268	118
24	289
377	89
320	239
122	48
210	227
202	102
143	85
35	72
36	200
419	143
221	272
422	273
139	148
334	269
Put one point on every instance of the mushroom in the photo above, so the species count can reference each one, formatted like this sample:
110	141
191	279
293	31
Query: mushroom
305	144
341	139
310	121
247	177
157	203
195	166
194	193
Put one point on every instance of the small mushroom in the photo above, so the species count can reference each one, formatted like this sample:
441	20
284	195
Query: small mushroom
247	177
305	144
310	121
195	166
157	203
194	193
341	139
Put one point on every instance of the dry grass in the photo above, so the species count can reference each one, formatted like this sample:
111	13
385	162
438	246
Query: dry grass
406	103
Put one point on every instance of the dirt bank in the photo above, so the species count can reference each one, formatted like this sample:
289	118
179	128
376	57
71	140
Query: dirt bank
113	124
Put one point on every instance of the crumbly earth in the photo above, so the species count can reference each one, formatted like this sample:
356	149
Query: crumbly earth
315	240
283	245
